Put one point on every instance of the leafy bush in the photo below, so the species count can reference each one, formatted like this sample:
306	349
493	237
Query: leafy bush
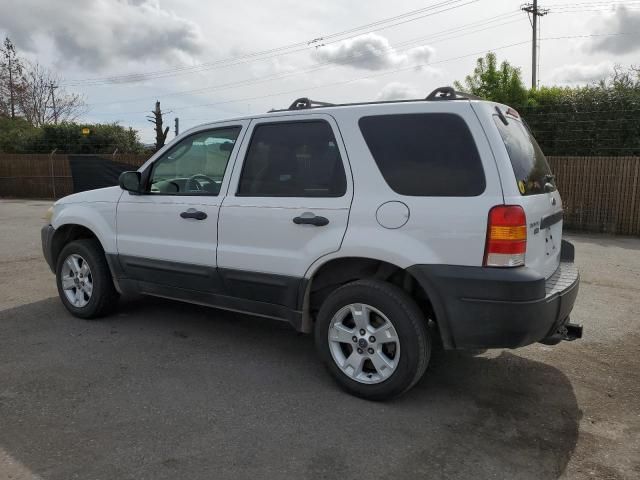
596	120
18	136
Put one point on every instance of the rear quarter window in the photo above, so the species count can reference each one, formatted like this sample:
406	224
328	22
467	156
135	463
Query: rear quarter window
425	154
529	164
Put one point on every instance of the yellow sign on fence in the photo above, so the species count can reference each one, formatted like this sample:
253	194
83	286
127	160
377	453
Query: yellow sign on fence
86	131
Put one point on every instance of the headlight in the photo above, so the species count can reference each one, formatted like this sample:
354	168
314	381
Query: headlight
48	215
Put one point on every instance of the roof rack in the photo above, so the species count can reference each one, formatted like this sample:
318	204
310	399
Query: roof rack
448	93
439	94
304	102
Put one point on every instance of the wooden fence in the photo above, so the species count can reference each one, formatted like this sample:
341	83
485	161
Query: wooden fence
44	175
600	194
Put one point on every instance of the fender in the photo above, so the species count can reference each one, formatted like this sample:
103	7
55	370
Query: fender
99	217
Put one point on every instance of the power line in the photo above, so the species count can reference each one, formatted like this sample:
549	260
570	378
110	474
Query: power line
581	5
344	82
438	36
387	72
389	22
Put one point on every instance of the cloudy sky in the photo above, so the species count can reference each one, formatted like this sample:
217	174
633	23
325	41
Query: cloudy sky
207	60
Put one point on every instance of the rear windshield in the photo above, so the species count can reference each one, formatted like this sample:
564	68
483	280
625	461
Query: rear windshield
425	154
529	163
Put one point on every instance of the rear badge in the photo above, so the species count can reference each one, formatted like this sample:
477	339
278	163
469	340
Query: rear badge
553	201
535	226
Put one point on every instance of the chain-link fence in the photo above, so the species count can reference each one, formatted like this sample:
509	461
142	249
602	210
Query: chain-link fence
600	194
54	176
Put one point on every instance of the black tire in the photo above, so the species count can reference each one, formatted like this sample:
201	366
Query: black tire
409	323
104	296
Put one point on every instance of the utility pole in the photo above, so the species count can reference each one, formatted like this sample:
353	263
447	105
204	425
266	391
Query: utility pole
176	129
532	8
53	101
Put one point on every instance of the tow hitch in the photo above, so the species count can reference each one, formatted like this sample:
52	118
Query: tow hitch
572	331
568	331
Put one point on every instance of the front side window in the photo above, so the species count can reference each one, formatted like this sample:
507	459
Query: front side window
196	165
425	154
293	159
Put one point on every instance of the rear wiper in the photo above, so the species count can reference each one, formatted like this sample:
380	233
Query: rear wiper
501	116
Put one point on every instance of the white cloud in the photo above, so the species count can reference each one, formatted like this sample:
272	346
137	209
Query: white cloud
399	91
372	52
624	21
98	33
582	73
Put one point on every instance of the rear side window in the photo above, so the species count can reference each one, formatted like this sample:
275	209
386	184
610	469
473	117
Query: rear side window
426	154
529	163
297	159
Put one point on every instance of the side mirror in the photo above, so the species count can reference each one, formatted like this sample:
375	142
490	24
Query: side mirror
131	182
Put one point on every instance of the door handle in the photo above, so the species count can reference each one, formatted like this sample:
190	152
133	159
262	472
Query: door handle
311	219
193	213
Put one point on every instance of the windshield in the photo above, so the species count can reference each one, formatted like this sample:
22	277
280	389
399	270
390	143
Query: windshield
529	163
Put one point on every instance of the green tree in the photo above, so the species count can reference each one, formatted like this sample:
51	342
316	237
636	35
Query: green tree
499	83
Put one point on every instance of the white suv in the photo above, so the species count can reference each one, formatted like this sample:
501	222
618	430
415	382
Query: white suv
382	227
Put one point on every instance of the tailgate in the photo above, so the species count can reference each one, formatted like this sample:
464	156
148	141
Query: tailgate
535	191
544	231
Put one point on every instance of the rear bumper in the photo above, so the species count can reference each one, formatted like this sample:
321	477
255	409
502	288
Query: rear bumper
480	307
46	235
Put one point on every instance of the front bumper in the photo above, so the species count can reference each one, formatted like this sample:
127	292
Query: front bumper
479	307
46	234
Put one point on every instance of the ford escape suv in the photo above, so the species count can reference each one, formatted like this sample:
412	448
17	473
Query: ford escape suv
383	228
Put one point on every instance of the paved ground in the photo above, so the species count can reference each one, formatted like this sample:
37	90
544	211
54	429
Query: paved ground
166	390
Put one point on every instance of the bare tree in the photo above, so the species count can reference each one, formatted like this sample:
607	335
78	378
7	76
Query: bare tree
44	100
156	119
622	78
11	79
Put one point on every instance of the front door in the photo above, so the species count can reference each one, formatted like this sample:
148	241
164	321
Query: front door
287	205
168	235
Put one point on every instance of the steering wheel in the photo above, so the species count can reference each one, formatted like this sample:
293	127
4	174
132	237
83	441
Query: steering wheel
193	180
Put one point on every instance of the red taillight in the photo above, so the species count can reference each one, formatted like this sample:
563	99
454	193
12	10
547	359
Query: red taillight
506	237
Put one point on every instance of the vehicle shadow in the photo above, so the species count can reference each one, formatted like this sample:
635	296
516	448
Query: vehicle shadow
167	390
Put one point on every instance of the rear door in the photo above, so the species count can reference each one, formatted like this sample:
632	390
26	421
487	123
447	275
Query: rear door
287	205
534	188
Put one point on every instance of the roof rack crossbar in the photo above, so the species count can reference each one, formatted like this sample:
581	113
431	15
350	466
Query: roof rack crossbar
448	93
304	102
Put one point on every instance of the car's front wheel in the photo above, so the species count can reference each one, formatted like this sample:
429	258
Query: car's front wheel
84	280
373	339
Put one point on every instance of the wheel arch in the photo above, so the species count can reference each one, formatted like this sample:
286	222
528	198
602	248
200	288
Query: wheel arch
337	271
69	232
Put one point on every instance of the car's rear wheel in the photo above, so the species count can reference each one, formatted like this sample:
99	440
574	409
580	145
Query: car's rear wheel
373	339
84	281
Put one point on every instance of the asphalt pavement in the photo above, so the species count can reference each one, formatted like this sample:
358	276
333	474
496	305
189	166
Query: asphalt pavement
168	390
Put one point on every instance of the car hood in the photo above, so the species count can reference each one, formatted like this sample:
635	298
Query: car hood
108	194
